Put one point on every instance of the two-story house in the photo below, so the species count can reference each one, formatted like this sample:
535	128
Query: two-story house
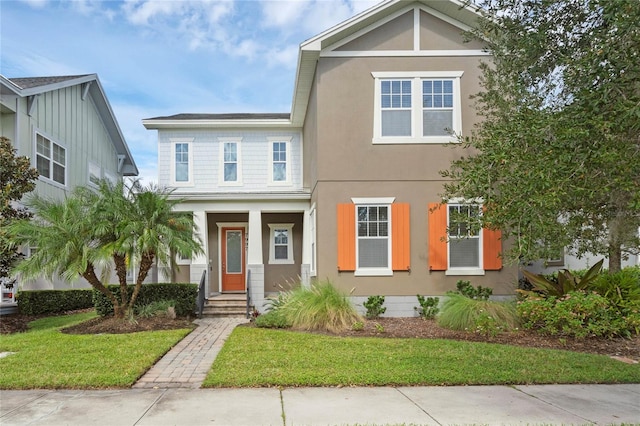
346	186
66	126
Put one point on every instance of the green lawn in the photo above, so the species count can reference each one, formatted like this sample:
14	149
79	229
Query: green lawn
265	357
46	358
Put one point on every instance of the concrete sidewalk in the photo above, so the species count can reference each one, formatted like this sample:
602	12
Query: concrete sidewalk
545	404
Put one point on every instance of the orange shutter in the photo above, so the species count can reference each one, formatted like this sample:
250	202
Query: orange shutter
437	236
346	237
492	249
401	237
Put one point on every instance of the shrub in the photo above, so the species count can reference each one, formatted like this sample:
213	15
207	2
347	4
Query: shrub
482	316
374	307
319	307
578	314
156	309
479	293
565	281
272	319
38	302
618	288
184	296
428	307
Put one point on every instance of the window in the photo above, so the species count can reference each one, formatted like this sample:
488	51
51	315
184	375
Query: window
281	238
182	164
51	160
464	236
280	168
373	236
230	164
417	107
456	243
94	174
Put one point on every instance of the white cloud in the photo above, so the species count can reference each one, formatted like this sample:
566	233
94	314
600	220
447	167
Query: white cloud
283	14
38	4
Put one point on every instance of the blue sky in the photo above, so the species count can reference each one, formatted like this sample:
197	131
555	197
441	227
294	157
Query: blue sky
160	57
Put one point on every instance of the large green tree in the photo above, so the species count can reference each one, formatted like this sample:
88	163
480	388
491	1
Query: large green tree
556	157
17	178
90	232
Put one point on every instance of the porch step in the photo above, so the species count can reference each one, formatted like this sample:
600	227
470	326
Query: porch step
226	305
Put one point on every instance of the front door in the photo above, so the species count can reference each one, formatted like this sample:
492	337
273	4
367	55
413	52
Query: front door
233	265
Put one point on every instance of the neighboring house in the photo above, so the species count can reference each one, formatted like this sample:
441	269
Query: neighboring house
67	127
346	186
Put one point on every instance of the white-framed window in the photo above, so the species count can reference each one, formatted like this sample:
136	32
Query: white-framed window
417	107
279	161
230	161
94	174
281	243
182	161
373	236
464	239
51	160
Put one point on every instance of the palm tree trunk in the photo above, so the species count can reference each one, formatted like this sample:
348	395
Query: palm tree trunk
121	271
145	265
90	275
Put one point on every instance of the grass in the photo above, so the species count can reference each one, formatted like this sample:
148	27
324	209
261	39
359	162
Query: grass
319	307
462	313
264	357
45	358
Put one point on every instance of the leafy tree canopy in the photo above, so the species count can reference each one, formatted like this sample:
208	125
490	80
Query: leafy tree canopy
556	157
17	178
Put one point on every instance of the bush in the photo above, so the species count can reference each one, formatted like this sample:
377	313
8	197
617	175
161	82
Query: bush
481	316
184	296
320	307
578	314
38	302
479	293
374	307
428	307
619	288
272	319
156	309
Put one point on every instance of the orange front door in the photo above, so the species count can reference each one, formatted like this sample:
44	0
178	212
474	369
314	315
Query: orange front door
233	267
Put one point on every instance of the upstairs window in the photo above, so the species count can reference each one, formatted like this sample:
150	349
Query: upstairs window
230	164
280	161
417	107
182	162
51	160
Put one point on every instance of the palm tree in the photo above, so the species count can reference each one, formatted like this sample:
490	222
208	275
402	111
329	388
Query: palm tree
93	230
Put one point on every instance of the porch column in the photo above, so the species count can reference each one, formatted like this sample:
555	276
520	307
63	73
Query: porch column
255	265
199	262
305	267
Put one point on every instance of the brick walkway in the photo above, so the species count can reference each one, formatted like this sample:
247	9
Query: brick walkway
186	364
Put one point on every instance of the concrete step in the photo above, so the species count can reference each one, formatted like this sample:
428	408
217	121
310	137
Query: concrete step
226	305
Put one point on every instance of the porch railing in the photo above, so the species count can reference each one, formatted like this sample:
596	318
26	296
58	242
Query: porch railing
201	296
249	294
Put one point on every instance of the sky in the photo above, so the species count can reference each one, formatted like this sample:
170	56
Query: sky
164	57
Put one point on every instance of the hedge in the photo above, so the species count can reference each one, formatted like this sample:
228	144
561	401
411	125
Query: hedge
38	302
183	294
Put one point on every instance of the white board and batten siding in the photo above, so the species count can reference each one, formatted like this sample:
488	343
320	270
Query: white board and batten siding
206	155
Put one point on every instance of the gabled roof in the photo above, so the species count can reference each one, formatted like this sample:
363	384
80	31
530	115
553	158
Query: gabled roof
33	86
458	11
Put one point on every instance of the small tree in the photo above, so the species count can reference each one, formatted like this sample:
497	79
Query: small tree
93	231
17	178
556	157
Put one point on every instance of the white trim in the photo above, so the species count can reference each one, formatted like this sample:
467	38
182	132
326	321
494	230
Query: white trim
287	142
373	200
52	141
238	141
313	267
221	225
416	78
404	53
375	271
272	244
172	177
